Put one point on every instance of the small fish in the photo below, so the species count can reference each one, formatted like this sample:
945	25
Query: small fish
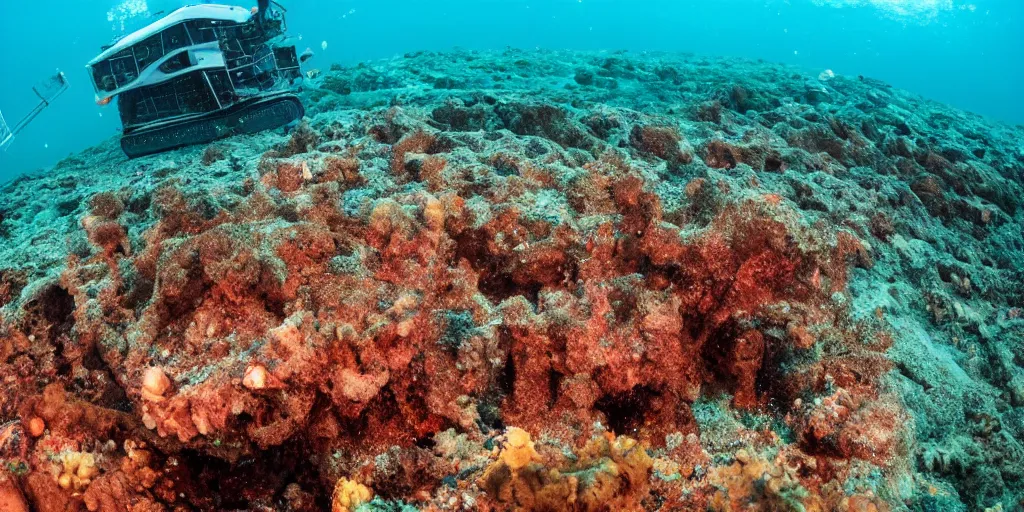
323	45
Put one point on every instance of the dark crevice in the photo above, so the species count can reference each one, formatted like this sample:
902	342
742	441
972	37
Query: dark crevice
49	316
625	412
771	375
554	385
215	484
426	442
507	377
491	402
499	286
138	295
55	305
715	353
495	284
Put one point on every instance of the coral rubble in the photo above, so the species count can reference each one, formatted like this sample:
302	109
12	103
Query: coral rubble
528	281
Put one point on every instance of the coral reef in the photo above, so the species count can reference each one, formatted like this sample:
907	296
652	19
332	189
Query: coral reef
528	281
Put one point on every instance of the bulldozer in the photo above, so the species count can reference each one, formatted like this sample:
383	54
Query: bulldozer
200	73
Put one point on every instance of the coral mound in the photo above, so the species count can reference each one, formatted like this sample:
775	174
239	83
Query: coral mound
528	281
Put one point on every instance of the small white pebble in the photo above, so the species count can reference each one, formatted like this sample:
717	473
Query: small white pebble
155	381
255	377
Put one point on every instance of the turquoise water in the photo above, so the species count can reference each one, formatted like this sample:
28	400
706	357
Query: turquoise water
967	54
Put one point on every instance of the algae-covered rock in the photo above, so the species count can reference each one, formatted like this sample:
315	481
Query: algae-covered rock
528	281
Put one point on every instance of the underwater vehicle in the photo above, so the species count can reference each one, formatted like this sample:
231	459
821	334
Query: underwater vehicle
47	91
201	73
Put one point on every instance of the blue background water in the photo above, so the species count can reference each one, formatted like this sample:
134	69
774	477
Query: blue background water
970	55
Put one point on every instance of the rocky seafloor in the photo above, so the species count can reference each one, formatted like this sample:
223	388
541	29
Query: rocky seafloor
528	281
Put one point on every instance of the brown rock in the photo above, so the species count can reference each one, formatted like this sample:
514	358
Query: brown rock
11	498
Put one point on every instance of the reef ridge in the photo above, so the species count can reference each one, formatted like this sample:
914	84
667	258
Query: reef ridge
528	280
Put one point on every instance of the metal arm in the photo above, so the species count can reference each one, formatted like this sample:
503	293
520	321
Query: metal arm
5	133
56	86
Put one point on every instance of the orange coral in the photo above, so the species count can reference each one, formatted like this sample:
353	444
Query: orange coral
349	495
609	473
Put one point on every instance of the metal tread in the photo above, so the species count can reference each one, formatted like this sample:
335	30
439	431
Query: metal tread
248	117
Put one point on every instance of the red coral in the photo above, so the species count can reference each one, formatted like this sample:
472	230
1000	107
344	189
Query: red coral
345	170
416	142
720	155
755	152
286	176
661	141
11	284
109	236
474	291
106	205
